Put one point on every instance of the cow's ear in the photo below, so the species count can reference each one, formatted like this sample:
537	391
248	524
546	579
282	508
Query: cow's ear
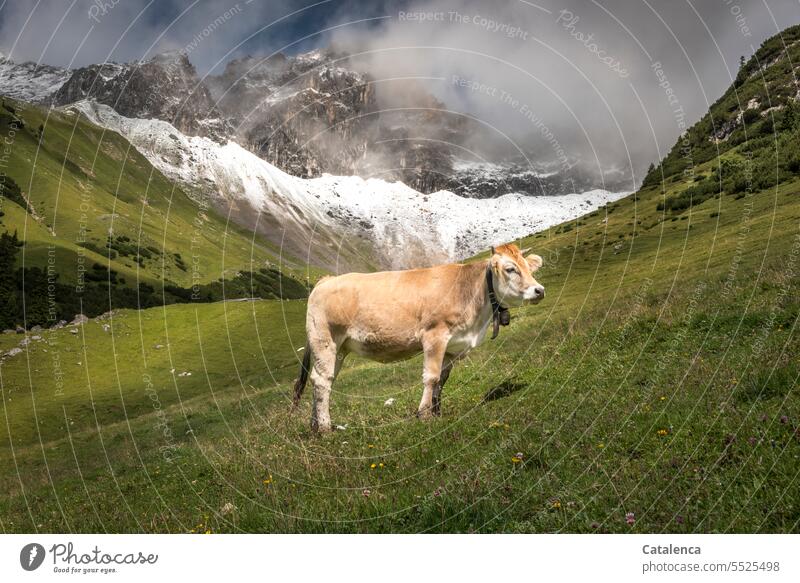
534	262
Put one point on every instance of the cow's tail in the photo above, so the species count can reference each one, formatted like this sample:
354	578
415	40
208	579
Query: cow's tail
302	379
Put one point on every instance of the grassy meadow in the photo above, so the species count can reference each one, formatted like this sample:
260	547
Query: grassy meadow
654	390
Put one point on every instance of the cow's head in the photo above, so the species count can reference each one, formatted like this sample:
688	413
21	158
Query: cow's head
513	276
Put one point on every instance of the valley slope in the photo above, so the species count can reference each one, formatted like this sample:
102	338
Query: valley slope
95	216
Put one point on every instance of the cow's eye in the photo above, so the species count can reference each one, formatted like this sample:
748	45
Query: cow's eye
511	269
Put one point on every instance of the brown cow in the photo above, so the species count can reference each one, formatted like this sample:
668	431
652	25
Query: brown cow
442	312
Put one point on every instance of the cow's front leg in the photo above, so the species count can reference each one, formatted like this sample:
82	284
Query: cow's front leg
434	346
437	391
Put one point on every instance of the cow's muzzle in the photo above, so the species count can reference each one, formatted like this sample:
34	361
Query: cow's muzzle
534	294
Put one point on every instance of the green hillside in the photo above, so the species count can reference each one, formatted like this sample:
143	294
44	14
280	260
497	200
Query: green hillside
659	378
89	205
654	390
748	132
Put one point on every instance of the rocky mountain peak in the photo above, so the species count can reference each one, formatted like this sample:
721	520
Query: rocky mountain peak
29	81
164	87
173	58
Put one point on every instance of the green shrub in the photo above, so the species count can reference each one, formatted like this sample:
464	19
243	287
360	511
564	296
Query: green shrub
11	190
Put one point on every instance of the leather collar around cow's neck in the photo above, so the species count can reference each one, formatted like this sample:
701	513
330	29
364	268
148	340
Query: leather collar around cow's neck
500	314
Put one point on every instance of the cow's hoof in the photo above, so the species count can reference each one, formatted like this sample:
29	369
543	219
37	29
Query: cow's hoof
425	414
321	427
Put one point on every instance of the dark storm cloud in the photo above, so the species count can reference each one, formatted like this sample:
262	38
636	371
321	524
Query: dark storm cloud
616	79
80	32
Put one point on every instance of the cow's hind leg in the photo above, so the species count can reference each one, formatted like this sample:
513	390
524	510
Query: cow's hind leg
437	390
323	373
434	347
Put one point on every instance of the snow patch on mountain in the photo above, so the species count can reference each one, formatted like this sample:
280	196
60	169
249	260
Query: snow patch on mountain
399	225
30	81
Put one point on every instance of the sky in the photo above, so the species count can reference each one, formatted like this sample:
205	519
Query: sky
609	80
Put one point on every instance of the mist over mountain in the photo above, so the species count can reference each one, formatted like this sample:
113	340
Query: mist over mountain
314	113
542	79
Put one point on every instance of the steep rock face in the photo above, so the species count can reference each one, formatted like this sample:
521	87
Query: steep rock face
165	87
30	81
305	114
313	114
489	180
